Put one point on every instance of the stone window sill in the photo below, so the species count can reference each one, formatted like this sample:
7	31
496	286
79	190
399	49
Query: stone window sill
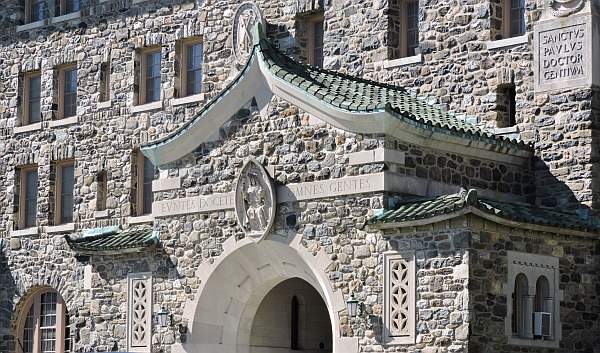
518	341
141	219
166	184
28	128
508	42
32	25
409	60
146	107
137	1
67	17
104	105
506	130
24	232
63	122
62	228
189	99
101	214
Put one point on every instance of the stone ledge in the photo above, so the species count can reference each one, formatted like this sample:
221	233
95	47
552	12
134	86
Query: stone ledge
189	99
63	122
32	25
376	155
101	214
409	60
146	107
141	219
506	130
166	184
24	232
62	228
508	42
104	105
517	341
67	17
27	128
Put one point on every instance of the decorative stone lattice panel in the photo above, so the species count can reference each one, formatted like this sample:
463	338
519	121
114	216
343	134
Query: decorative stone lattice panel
399	297
139	313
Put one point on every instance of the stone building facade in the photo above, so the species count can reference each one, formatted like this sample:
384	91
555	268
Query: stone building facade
318	176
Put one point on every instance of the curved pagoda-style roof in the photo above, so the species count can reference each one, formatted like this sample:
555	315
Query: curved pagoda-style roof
421	211
133	239
350	103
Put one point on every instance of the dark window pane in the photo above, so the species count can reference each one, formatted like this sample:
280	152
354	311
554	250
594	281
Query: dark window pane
147	188
517	17
66	194
194	69
412	21
71	6
152	77
318	40
70	93
101	191
38	10
30	188
34	111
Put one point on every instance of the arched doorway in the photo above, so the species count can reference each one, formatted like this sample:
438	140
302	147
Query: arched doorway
291	317
233	288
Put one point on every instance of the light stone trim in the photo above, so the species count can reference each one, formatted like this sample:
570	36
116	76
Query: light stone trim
187	100
104	105
67	17
533	266
101	214
166	184
141	219
139	312
506	130
406	61
63	122
147	107
404	305
377	155
133	2
508	42
62	228
28	128
32	231
32	25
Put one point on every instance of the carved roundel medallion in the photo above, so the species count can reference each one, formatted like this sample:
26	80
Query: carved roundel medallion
255	200
246	17
563	8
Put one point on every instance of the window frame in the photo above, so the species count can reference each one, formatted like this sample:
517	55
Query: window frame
507	20
58	195
60	327
142	94
140	204
62	70
29	11
104	84
25	105
402	49
22	207
311	22
61	7
101	190
184	69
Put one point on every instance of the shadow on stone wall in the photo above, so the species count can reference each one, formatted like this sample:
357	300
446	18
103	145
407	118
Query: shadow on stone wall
7	292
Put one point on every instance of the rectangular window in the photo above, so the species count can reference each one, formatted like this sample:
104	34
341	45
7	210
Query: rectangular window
403	28
64	7
315	40
192	75
27	197
104	89
506	106
101	191
32	87
64	184
399	297
35	10
147	196
67	85
142	177
514	18
150	82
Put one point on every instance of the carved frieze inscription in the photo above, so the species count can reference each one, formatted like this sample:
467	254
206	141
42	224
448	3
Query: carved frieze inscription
285	193
563	54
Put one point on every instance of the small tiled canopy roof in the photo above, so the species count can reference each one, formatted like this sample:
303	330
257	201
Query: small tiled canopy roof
467	202
133	239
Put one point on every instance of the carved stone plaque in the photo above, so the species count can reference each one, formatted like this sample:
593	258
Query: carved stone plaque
563	53
255	201
246	17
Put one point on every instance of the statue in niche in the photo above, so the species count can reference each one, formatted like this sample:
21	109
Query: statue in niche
255	200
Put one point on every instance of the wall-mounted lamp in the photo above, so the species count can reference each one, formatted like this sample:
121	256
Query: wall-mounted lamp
163	318
352	306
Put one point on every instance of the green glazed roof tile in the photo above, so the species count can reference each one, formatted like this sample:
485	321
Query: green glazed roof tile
120	241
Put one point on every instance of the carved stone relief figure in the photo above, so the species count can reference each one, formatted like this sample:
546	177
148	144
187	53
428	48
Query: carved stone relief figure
563	8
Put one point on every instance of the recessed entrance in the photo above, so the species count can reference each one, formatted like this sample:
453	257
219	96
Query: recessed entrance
291	318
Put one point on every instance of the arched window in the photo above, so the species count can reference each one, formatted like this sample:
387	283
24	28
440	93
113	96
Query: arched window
44	327
542	295
519	298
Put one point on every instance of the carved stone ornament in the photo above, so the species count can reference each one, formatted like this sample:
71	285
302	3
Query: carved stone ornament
246	17
563	8
255	200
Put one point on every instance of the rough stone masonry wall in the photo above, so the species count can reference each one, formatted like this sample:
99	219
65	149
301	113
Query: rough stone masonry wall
579	282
